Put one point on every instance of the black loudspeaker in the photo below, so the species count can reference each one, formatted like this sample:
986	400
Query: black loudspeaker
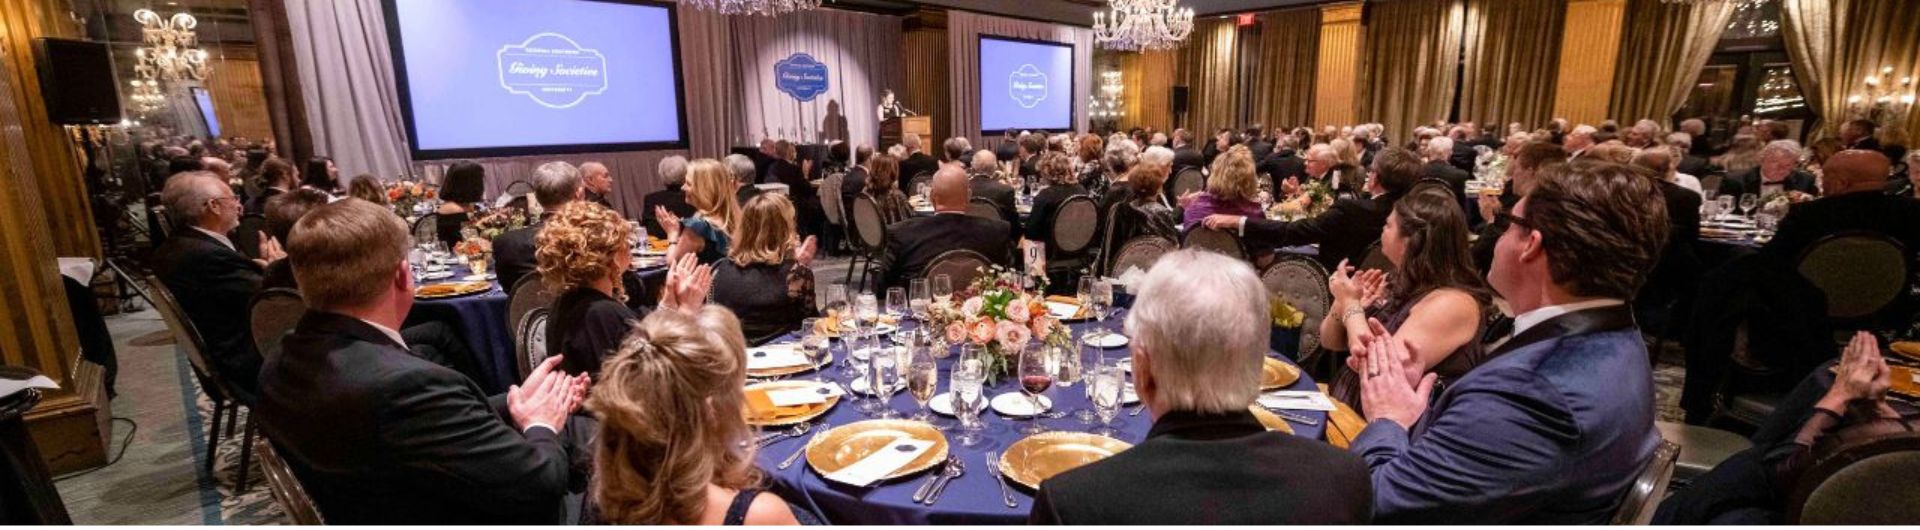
77	81
1179	100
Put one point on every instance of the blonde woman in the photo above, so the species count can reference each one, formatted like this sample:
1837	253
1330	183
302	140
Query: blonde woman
672	444
581	253
767	279
707	235
1231	189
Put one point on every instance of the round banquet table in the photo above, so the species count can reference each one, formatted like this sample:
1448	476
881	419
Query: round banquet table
972	498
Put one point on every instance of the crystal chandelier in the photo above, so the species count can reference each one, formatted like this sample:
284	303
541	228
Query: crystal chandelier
170	50
1139	25
752	7
146	96
1107	106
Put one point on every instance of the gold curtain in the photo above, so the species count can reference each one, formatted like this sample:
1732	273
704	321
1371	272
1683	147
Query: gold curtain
1835	44
1284	75
239	97
1512	50
1661	54
926	87
1148	98
1211	58
1336	85
1410	73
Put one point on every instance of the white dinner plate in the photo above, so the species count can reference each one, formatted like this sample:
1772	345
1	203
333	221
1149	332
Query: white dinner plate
430	276
859	386
943	404
1016	405
1105	340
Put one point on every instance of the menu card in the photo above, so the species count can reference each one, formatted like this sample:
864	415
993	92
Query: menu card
896	454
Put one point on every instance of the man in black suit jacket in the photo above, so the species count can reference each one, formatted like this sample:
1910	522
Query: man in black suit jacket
1348	227
983	185
917	161
1030	147
1184	155
554	185
276	177
211	279
1677	274
1776	173
1207	460
912	244
673	175
1854	180
398	440
598	184
1439	168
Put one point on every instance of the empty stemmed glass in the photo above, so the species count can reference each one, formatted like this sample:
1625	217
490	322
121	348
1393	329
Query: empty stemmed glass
965	383
1091	359
918	298
882	372
1747	202
814	344
942	289
1108	384
1036	375
1100	303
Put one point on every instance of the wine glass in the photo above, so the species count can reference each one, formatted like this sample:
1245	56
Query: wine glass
867	309
1747	202
850	339
1036	375
896	303
880	368
918	298
836	301
942	289
813	344
1101	303
965	384
1108	384
1726	204
923	375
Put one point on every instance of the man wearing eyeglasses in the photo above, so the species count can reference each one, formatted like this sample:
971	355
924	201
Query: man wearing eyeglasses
213	280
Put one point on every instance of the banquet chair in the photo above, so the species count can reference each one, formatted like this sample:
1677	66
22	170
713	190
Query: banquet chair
835	212
982	208
913	184
530	340
1862	273
221	393
246	237
1701	448
1376	260
426	229
1140	253
161	220
1637	507
960	265
273	314
872	234
1216	241
528	295
1711	181
1187	181
285	487
1302	283
518	188
1862	483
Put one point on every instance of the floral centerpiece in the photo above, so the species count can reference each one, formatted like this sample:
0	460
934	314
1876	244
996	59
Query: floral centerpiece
1284	315
1313	199
406	196
999	316
477	235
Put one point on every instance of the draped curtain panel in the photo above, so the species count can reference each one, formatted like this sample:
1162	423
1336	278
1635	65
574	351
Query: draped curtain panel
964	29
1211	62
236	89
353	106
1835	44
926	89
1512	50
1661	53
1411	66
1148	98
713	109
1284	74
862	54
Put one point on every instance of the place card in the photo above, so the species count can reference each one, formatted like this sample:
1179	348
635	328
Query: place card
788	397
1297	400
775	356
1062	311
896	454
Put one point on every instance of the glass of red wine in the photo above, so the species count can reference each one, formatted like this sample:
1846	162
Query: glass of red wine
1036	375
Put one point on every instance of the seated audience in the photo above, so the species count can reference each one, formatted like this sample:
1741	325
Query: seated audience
597	183
1557	426
1521	175
276	177
1144	210
1678	271
883	188
1777	173
555	184
672	173
1854	202
1056	169
1205	449
212	280
1120	159
1348	227
1086	159
917	161
322	175
912	244
282	211
985	183
1231	189
583	254
1434	299
460	196
398	440
1184	155
673	446
767	280
742	168
368	188
1439	153
855	182
706	234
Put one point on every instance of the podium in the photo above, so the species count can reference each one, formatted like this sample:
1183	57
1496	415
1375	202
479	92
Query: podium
894	129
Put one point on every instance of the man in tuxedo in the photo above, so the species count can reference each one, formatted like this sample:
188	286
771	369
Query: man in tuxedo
1854	202
276	177
1184	155
1440	154
1030	147
1284	163
1677	275
554	185
958	151
281	213
1348	227
672	173
1008	149
211	279
912	244
398	440
598	183
1557	426
1461	154
1207	460
1579	140
1777	173
983	184
1858	134
1257	143
1690	164
917	161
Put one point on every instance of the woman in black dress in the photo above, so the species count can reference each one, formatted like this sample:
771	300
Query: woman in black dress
767	279
581	252
460	195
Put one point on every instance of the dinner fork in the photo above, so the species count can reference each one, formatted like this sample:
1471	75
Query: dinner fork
795	457
1000	477
791	432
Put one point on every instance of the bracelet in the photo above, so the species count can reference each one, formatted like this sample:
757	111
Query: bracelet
1351	312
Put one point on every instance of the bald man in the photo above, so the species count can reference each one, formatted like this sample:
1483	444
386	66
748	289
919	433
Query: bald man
914	243
1854	200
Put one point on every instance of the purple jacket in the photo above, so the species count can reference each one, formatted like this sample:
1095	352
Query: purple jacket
1204	205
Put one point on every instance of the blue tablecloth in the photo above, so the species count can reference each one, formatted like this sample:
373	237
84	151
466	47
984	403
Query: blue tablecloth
972	498
482	321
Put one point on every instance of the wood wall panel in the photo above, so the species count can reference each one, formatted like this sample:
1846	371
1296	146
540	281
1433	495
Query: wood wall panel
239	97
63	196
1589	49
926	90
1336	93
1148	98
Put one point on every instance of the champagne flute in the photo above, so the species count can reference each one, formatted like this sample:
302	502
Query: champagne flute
1101	303
966	384
1035	377
813	344
1108	385
919	296
1747	202
923	375
896	303
942	289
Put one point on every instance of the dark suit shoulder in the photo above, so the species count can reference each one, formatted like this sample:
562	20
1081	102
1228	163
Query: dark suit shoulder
1263	478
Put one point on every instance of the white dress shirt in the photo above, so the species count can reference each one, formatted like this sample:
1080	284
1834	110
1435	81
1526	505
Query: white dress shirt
1535	317
222	238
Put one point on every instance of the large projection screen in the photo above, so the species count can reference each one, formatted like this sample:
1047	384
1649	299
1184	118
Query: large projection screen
483	78
1025	84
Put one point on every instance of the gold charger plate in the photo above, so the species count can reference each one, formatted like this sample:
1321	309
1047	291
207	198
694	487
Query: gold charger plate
847	444
1909	350
1278	374
1036	458
1903	383
450	290
791	417
1269	420
829	325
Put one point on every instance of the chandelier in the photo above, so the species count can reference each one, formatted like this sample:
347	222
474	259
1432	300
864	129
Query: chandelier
146	96
1882	104
1139	25
1107	105
170	50
752	7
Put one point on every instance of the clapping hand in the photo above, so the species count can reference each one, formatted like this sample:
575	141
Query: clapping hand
1385	388
546	397
687	284
1187	198
1349	287
1358	341
1223	222
806	251
1290	187
1862	374
270	250
669	222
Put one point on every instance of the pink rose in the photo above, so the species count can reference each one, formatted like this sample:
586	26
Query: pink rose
1012	336
1017	311
972	306
1041	326
956	332
982	331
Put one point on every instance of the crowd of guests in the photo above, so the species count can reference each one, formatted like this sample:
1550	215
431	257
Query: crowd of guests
1535	409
